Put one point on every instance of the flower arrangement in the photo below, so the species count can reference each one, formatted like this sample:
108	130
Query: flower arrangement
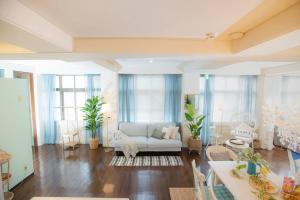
254	159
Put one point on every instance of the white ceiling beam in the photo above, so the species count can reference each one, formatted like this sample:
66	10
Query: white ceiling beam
276	34
286	69
112	65
150	47
15	13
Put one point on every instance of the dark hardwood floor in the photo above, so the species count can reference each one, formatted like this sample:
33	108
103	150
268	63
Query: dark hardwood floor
85	173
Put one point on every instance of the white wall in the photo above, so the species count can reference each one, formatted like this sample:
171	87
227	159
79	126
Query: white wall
271	88
268	84
108	83
15	128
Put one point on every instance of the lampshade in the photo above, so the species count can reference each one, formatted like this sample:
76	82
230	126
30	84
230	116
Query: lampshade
106	109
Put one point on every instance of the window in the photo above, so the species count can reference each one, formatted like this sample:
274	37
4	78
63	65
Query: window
290	90
230	96
149	98
70	96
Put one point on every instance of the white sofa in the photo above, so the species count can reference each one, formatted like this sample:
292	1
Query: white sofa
141	133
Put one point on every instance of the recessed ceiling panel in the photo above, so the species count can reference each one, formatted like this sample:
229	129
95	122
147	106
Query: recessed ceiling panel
142	18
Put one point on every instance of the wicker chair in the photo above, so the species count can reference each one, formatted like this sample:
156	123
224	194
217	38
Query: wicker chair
218	149
218	192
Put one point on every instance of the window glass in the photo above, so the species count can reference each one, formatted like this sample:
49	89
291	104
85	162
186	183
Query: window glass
79	114
67	81
57	81
97	82
69	99
69	113
57	99
70	96
80	82
149	98
80	99
57	114
228	96
290	90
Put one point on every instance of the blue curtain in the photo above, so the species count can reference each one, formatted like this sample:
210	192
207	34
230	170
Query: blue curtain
126	98
46	96
172	107
93	88
249	96
1	72
207	108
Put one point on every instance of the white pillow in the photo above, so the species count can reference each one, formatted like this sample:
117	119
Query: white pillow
174	132
168	132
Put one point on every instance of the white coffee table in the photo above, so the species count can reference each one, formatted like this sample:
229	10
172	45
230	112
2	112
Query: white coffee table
235	146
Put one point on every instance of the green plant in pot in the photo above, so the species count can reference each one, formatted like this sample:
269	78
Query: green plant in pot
253	159
194	124
93	118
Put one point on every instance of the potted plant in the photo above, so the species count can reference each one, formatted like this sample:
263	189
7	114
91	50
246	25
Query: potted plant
93	118
253	160
195	126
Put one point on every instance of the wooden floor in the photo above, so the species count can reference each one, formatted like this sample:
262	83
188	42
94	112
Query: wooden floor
85	173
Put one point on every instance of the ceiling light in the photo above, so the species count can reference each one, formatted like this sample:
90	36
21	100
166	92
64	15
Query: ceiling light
210	36
236	35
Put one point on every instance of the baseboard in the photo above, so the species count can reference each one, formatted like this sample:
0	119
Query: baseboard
20	183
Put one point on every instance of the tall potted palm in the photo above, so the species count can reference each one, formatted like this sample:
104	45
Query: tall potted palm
195	126
93	118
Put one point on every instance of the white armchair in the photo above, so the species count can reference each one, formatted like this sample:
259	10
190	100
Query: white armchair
69	133
243	127
245	133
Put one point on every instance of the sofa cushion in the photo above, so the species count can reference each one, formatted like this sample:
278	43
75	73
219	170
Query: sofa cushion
157	143
167	132
133	129
158	126
141	142
158	134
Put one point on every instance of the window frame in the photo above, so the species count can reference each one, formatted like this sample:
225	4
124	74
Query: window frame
61	90
149	92
225	91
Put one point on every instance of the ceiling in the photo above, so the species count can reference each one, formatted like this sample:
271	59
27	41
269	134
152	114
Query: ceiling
142	18
138	36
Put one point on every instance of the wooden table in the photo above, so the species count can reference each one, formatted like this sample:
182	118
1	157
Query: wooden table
240	188
184	193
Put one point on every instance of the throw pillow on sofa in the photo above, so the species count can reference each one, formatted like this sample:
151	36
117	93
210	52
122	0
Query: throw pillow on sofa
174	132
167	132
158	134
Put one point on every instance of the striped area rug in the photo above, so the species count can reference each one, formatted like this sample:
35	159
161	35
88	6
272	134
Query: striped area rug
146	161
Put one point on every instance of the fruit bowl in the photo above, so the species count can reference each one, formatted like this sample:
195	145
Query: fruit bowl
260	183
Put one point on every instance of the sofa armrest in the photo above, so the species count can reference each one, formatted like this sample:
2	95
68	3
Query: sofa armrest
117	135
178	136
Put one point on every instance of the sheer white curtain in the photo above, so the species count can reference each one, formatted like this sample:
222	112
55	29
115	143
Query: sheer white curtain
290	90
232	95
149	98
